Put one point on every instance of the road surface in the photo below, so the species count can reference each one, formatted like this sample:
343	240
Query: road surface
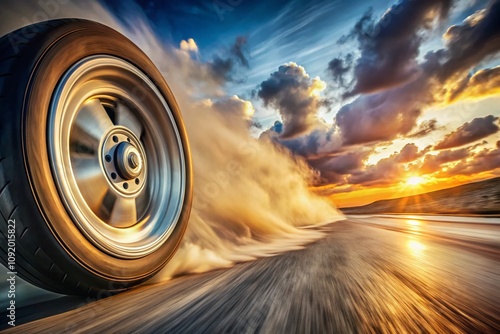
370	274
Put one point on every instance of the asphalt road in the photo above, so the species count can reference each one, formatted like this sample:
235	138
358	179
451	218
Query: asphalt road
368	275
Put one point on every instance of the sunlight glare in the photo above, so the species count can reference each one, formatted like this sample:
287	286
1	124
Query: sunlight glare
413	222
414	180
416	248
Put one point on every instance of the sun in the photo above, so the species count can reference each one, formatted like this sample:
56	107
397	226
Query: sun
414	180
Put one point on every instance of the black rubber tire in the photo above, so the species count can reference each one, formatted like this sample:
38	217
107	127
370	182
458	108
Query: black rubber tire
32	59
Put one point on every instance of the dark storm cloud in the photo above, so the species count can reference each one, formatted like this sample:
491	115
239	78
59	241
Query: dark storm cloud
393	112
335	169
390	45
383	116
320	142
344	163
292	92
469	132
388	51
472	41
305	145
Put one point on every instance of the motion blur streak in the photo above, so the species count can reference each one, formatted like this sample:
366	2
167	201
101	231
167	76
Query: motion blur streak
251	198
370	274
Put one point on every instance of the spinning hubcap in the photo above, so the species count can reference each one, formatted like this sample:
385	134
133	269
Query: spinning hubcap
117	156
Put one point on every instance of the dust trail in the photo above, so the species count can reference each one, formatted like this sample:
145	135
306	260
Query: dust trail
251	197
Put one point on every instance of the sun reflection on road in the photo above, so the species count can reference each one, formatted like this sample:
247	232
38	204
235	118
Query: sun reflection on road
413	222
416	248
414	227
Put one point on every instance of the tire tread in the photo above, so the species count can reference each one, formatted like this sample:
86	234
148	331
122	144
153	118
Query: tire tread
24	257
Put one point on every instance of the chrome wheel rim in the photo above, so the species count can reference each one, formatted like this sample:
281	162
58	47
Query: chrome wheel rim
116	155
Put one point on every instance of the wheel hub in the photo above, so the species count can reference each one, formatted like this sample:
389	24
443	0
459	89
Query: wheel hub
128	162
124	160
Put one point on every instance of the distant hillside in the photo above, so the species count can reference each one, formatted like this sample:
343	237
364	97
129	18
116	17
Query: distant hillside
472	198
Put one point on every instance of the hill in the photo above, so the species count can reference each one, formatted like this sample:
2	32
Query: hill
473	198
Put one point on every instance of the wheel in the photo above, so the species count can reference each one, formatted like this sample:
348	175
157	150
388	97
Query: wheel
95	168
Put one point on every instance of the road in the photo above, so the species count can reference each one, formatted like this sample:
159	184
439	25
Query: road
380	274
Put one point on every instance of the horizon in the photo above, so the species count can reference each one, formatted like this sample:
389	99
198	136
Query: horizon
419	193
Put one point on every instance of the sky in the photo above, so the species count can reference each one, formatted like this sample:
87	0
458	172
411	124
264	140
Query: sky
381	98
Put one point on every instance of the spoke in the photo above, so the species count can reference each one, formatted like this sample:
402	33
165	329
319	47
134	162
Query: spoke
125	117
143	202
90	179
93	120
123	213
82	142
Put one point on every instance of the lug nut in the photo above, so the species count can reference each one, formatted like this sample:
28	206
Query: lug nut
133	160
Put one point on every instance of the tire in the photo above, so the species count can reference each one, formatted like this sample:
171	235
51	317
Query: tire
95	167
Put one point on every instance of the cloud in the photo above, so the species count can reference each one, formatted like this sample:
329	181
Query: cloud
388	170
346	163
320	142
338	68
383	116
395	91
385	172
189	45
469	43
273	132
433	163
394	109
204	79
469	132
389	46
239	50
334	169
482	83
408	153
484	161
223	66
295	95
424	129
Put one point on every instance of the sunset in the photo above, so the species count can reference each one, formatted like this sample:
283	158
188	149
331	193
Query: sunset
414	181
380	97
235	166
